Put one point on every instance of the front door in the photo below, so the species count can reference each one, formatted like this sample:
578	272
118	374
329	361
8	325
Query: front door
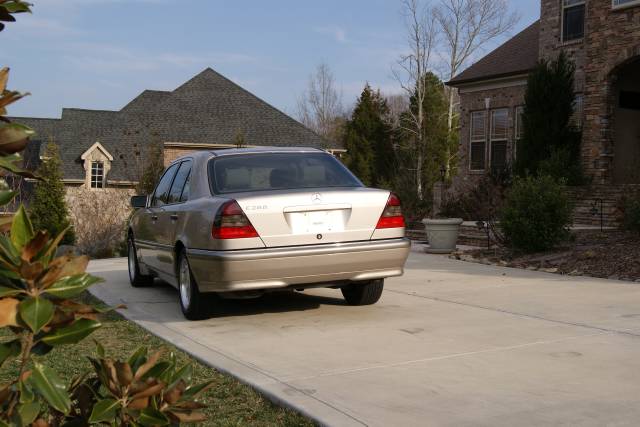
627	140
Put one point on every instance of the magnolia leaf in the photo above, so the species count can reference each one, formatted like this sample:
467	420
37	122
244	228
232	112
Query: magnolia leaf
28	412
158	370
21	229
188	417
9	292
8	350
99	349
17	6
30	271
14	137
183	373
62	267
4	78
55	242
35	245
6	197
26	394
196	390
137	358
69	287
150	363
9	163
8	251
49	385
73	333
104	411
36	312
152	417
151	390
8	312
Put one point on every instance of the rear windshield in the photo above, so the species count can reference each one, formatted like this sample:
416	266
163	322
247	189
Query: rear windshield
277	171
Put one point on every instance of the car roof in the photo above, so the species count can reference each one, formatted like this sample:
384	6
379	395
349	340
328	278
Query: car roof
249	150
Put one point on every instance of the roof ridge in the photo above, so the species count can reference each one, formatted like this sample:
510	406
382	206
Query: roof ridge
251	94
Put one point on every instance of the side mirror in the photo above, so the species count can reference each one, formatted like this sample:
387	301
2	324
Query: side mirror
138	202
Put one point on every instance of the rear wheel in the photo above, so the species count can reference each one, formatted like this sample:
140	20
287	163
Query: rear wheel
363	293
135	277
192	302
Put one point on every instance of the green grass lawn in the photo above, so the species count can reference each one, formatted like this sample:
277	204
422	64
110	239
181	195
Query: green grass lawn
229	402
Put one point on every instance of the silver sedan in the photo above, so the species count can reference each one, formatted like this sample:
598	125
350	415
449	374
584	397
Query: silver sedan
243	222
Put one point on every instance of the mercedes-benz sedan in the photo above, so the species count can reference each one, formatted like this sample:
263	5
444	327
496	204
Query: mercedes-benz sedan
243	222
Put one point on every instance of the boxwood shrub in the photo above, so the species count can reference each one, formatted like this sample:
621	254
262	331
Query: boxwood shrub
536	214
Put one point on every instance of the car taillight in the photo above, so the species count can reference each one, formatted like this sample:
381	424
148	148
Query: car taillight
392	214
232	223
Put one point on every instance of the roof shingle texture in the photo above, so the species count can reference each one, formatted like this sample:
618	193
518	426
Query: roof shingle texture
516	56
208	109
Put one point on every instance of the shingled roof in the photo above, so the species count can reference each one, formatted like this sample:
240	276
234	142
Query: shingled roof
517	56
208	109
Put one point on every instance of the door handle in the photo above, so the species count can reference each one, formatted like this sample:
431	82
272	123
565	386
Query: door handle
174	217
154	217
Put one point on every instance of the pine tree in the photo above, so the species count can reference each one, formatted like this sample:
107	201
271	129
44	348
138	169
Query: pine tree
367	139
48	209
550	144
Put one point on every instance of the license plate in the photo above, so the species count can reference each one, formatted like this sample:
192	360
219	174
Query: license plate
316	221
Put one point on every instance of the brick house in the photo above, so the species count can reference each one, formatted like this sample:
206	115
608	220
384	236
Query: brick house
103	152
603	38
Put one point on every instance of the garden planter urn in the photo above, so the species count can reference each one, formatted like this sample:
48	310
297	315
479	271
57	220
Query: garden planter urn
442	234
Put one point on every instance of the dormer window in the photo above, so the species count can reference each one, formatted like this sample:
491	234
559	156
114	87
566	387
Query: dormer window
97	175
97	164
573	16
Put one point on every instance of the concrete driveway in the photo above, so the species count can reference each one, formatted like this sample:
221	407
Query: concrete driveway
450	343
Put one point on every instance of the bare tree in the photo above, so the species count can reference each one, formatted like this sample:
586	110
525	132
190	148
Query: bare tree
320	106
410	71
466	27
398	104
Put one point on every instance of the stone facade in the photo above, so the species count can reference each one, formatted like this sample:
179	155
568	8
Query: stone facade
486	99
607	61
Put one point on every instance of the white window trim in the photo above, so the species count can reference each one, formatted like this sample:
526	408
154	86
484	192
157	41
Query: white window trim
568	4
91	176
518	133
491	140
472	141
625	5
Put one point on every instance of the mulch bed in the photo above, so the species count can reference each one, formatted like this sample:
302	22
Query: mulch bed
611	255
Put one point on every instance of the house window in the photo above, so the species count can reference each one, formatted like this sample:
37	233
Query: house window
478	140
519	130
97	174
573	12
578	108
619	4
499	137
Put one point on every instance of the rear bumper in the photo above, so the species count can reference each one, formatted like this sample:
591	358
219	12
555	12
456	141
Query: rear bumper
273	268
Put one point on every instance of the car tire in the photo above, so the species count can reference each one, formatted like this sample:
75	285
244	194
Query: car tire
363	293
192	302
136	278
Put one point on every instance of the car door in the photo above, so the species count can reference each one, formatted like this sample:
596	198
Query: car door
172	211
152	251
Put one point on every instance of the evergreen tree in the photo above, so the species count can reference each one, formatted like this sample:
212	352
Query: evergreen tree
48	209
152	169
368	141
550	144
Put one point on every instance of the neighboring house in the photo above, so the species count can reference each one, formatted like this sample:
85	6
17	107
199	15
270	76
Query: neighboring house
603	38
100	148
103	152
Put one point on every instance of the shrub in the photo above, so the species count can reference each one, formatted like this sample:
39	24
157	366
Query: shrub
47	208
632	214
536	214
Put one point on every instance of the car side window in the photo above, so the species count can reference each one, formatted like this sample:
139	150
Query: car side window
179	182
162	189
187	189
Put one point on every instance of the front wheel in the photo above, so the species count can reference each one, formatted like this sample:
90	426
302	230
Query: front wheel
191	300
363	293
136	278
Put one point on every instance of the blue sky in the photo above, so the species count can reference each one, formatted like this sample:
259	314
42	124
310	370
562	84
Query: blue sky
99	54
